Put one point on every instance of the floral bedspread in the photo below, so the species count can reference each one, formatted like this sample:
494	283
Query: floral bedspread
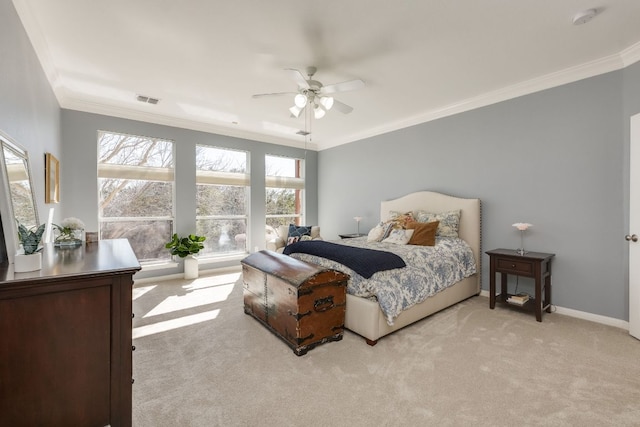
429	270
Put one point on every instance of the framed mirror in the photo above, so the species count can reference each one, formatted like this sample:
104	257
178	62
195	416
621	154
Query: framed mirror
17	201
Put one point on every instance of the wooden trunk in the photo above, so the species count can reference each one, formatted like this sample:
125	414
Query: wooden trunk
302	303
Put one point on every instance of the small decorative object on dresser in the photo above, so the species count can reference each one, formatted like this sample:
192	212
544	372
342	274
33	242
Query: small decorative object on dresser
536	265
31	258
91	236
70	233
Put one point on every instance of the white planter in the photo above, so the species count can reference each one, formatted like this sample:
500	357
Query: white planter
190	267
23	263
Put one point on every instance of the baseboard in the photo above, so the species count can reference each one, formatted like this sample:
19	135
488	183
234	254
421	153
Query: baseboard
203	273
609	321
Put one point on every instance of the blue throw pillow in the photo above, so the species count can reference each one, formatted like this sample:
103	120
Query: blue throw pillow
296	232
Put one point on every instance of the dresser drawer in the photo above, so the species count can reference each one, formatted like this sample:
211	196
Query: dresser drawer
510	265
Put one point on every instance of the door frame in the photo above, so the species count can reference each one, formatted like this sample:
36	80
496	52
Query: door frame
634	226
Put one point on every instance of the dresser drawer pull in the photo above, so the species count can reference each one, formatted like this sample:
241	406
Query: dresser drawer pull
513	266
324	304
133	348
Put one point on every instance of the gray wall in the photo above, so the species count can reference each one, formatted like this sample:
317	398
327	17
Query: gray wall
558	159
79	171
29	111
555	158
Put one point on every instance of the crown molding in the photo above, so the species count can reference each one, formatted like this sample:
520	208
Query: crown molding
40	46
555	79
130	114
631	55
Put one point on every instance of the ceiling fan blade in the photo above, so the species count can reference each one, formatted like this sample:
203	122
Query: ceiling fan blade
342	107
342	87
298	77
261	95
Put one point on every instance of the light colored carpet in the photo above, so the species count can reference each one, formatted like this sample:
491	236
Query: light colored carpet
200	361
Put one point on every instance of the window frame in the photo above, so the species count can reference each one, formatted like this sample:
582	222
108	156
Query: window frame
296	183
138	173
224	178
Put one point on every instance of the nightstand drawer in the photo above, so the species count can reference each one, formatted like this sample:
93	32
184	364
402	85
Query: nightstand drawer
515	266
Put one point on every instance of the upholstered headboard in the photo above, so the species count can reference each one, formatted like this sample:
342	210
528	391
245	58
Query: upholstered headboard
470	215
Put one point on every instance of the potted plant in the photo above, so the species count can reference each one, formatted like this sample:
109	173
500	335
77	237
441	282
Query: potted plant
31	258
70	232
186	247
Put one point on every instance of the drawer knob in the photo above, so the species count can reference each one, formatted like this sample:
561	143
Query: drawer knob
133	348
513	266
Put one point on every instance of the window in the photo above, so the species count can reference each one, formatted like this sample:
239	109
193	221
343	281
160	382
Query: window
284	192
136	188
221	199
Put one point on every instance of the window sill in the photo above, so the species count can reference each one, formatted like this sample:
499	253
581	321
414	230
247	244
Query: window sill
159	266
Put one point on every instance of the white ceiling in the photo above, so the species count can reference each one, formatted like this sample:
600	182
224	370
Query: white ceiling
420	59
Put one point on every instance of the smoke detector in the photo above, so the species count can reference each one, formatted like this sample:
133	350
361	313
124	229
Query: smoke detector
584	16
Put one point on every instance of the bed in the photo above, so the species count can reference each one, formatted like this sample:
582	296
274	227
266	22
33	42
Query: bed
364	315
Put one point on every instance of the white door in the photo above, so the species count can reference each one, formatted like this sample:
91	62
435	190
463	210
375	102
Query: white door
634	229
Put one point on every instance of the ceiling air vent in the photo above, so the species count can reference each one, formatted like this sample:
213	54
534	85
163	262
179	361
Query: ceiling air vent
147	99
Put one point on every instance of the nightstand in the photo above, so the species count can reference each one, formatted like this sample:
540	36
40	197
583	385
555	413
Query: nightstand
351	236
536	265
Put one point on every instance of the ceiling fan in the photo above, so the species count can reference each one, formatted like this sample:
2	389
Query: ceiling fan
313	94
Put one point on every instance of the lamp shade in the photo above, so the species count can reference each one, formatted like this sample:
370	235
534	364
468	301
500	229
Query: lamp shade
327	102
295	111
318	112
300	100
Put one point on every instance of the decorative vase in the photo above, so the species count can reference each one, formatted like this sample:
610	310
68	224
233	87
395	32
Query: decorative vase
23	263
190	267
70	238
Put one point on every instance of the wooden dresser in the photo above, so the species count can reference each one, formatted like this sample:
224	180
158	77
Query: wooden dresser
65	338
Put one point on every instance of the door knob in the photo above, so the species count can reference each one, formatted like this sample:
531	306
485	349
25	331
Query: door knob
631	238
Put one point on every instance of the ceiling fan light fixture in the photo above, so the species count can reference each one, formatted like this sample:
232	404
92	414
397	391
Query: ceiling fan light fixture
295	111
327	102
300	100
319	112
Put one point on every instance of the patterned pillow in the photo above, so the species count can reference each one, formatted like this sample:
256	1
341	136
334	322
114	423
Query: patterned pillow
449	222
399	236
401	218
296	233
397	221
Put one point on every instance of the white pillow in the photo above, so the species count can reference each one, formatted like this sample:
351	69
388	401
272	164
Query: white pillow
376	233
399	237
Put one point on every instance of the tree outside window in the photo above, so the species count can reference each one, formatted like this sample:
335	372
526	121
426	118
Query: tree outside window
221	199
284	192
135	185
